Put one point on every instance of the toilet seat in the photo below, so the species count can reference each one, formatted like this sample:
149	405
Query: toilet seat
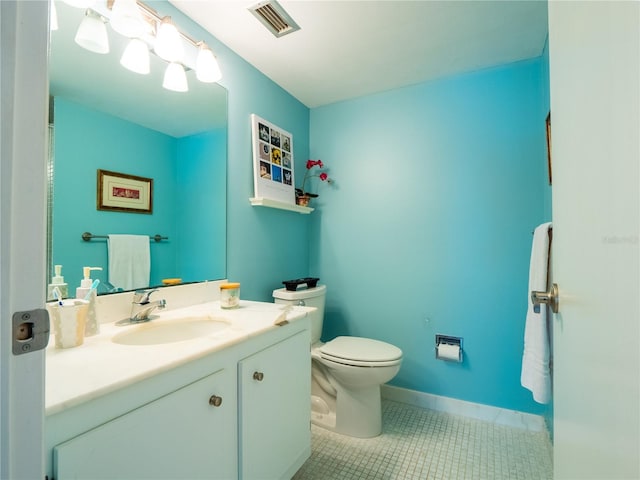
360	352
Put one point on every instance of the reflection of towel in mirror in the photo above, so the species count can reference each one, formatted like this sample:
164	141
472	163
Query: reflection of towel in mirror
536	375
129	261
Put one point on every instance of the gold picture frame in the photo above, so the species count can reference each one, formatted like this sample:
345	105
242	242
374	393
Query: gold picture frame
121	192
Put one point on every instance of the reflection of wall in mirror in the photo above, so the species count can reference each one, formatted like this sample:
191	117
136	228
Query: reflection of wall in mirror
186	171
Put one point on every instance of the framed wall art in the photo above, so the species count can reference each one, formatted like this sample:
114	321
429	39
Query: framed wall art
124	193
272	161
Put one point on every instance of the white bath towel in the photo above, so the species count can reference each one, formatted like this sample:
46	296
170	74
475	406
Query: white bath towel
536	375
129	261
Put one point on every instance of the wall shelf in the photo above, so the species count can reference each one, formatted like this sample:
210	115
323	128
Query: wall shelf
267	202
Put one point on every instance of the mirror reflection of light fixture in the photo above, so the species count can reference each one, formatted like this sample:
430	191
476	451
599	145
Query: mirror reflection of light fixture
136	57
168	44
207	68
126	19
92	33
175	78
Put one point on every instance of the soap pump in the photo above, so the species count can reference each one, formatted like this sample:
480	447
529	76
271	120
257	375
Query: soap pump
57	281
85	284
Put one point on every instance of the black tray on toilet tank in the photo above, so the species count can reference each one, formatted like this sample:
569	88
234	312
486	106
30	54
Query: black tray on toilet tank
292	285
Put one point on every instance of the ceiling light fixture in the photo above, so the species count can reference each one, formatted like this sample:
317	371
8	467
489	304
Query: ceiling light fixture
207	68
148	32
136	57
92	33
168	44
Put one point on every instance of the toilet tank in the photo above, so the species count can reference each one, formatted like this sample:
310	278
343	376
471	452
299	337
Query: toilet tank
308	297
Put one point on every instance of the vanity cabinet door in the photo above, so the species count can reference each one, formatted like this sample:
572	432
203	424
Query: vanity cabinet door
274	413
190	433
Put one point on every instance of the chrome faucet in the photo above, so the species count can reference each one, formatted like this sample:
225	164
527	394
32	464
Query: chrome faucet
141	307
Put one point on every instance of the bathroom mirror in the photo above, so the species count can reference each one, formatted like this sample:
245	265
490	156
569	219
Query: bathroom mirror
105	117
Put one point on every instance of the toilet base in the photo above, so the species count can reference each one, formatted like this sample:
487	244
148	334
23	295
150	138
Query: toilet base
358	412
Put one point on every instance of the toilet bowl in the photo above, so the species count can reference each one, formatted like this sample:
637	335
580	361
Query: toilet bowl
346	372
355	367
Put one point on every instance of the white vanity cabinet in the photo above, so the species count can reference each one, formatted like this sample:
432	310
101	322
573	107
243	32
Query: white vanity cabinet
274	390
185	434
201	416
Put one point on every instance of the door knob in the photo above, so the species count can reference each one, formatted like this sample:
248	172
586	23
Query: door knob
549	298
258	376
215	401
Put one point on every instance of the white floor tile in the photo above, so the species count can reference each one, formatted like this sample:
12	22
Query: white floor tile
423	444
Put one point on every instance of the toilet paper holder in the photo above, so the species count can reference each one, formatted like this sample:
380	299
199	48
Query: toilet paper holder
449	348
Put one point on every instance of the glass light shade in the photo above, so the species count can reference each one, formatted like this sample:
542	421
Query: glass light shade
92	33
136	57
175	78
127	19
168	44
53	16
207	68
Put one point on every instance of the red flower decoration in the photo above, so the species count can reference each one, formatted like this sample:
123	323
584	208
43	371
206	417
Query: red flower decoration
322	175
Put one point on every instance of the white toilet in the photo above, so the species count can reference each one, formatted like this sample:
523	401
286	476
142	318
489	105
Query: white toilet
346	372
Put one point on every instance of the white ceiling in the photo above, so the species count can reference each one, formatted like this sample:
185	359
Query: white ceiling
350	48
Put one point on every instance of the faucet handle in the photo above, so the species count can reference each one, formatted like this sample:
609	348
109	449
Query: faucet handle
142	296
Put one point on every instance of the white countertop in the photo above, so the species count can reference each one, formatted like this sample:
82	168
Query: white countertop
100	366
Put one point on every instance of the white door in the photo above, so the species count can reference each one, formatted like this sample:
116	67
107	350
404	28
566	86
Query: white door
595	79
23	123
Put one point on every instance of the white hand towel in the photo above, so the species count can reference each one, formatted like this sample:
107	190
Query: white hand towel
536	375
129	261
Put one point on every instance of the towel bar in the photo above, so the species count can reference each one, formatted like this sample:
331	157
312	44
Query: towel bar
87	236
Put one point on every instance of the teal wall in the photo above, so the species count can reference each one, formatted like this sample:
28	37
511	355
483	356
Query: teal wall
87	140
264	245
201	168
427	229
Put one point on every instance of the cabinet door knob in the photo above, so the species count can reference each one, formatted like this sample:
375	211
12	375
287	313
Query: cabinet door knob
258	376
215	401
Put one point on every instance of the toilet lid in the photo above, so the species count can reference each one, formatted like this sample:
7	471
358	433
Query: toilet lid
359	349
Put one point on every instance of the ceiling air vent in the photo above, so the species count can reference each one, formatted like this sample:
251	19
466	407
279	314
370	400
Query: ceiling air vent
273	16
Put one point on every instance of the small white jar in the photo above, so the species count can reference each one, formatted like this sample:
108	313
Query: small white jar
229	295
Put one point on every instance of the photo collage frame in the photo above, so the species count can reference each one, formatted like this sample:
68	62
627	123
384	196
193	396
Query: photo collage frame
273	173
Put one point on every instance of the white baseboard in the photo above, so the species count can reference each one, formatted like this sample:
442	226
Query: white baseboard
500	416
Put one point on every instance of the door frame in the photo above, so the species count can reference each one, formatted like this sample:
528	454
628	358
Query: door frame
23	148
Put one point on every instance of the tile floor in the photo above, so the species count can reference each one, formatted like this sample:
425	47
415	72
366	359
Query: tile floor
425	444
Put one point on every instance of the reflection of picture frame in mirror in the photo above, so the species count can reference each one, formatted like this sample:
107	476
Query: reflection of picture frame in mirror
121	192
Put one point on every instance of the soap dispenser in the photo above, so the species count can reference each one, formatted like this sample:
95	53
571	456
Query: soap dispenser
85	284
57	281
92	327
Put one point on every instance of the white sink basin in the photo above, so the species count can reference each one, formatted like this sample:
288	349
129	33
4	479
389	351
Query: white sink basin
171	331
